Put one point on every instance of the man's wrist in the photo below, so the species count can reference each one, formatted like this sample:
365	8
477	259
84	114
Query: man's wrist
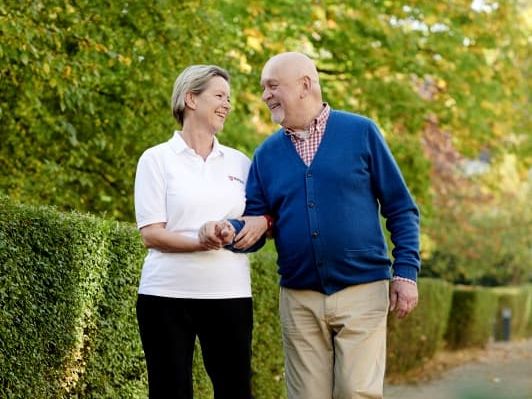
406	280
269	222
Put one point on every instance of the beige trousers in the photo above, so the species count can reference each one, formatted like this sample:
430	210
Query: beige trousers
335	345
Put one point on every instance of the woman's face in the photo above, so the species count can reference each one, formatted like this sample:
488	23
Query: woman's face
214	103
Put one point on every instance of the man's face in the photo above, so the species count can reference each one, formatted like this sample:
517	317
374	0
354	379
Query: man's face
280	92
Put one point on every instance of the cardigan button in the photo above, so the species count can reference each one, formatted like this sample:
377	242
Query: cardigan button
311	204
315	234
309	174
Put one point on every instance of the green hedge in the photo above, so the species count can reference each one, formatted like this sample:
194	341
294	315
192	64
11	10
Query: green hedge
52	270
519	301
115	366
68	286
414	340
268	361
472	317
528	330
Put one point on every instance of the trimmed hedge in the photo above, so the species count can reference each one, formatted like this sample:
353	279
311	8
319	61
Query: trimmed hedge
414	340
268	360
51	271
528	330
115	366
519	301
472	317
68	286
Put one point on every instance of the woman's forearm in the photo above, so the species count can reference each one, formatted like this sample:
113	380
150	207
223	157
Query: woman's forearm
155	236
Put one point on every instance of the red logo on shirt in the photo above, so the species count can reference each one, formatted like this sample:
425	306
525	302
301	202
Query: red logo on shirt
234	178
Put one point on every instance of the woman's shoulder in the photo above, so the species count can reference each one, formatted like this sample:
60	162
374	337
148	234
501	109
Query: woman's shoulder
235	154
155	154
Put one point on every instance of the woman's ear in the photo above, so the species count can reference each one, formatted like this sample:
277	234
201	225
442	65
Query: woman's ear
190	100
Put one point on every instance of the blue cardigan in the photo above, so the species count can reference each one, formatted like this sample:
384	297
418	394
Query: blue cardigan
327	229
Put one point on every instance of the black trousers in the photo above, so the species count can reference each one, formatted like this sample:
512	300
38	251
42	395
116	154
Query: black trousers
168	329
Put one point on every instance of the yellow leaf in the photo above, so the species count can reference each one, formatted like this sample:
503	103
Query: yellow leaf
318	13
100	47
431	20
441	84
254	42
253	32
486	104
67	71
331	24
124	60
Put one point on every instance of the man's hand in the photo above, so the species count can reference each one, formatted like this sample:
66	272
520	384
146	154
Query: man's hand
403	297
254	228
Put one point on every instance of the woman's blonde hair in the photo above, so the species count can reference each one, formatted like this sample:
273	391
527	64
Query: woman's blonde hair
193	79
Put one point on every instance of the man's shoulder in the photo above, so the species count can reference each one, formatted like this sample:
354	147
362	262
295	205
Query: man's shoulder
272	141
349	117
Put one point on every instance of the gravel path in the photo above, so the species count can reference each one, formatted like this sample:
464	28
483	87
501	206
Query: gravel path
502	371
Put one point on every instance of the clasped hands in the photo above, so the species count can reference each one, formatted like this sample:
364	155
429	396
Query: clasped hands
217	234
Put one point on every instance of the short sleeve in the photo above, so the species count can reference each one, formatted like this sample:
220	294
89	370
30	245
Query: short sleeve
150	191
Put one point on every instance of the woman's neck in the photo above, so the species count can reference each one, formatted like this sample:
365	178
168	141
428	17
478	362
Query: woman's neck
200	140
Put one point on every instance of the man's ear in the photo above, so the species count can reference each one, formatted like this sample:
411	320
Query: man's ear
190	100
306	86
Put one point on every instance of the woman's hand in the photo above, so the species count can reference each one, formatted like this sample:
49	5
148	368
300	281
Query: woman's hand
252	231
214	235
225	232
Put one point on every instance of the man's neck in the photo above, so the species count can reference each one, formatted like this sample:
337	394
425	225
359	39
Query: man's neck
304	125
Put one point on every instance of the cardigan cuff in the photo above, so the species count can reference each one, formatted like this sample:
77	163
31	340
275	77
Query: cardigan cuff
238	226
403	271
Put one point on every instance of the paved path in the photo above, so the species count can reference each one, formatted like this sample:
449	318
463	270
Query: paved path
503	371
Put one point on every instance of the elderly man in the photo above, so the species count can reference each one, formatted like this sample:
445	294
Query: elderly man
324	177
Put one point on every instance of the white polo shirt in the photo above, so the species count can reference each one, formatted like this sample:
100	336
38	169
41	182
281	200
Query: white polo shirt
176	186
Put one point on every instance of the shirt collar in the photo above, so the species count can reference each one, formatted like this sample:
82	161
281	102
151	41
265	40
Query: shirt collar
178	145
316	122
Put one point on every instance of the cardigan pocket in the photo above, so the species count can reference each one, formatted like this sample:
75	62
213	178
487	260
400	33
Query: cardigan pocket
367	259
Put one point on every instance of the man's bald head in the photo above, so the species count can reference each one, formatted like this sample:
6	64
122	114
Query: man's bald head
293	64
291	89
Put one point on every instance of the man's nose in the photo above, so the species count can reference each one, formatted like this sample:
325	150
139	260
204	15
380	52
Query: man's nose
266	95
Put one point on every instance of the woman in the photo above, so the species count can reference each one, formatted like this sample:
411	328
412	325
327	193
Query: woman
190	288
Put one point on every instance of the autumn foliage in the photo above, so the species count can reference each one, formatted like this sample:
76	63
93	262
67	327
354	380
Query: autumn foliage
85	88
